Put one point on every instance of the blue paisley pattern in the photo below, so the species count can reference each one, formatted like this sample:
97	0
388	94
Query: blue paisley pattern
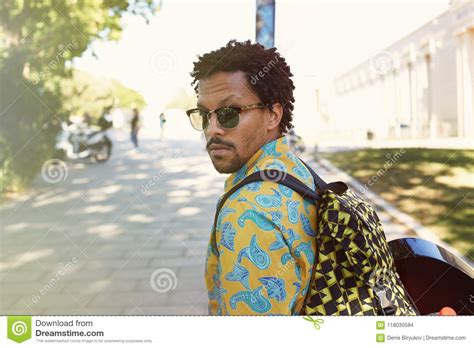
276	219
285	258
228	235
293	158
285	191
292	303
278	165
255	254
254	299
301	172
292	207
265	237
254	186
240	175
275	287
270	150
279	243
307	226
305	248
269	201
292	237
239	274
306	204
257	219
224	212
235	195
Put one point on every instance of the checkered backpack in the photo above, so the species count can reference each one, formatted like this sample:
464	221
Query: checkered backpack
353	271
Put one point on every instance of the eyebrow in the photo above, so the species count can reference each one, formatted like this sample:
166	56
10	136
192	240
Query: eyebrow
222	103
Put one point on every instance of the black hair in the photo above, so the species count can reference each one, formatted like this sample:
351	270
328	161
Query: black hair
267	73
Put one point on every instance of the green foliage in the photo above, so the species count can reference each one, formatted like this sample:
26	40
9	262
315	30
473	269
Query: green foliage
84	93
38	40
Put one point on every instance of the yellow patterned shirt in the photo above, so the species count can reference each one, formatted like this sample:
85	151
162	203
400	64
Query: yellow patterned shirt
265	241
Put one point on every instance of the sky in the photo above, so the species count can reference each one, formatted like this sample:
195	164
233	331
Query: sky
319	39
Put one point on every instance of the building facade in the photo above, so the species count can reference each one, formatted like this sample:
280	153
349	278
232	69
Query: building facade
421	87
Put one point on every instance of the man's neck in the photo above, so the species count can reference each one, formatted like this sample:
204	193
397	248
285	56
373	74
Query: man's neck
272	136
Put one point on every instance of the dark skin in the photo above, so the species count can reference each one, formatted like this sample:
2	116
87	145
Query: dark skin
230	149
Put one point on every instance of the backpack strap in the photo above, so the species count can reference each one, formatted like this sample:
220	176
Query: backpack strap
337	187
266	175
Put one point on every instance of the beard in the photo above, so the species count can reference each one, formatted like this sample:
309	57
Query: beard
232	161
228	163
225	165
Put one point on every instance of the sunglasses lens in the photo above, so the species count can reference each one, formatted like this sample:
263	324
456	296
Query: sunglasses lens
199	119
228	117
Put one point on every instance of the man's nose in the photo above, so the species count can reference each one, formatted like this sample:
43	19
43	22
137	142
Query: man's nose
214	128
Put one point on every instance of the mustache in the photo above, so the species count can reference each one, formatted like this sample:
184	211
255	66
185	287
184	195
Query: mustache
219	141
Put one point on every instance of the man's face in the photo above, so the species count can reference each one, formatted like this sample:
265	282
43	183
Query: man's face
230	149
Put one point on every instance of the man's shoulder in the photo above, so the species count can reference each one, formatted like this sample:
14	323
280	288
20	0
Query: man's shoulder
262	197
286	162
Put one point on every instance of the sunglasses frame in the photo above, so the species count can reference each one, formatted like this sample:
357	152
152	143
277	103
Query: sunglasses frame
239	109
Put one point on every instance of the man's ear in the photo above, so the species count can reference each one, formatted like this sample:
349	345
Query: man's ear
275	115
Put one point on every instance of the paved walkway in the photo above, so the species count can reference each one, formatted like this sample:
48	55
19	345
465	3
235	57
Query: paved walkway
125	237
101	241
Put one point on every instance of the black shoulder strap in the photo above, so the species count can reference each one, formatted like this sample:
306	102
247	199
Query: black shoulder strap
289	181
317	179
337	187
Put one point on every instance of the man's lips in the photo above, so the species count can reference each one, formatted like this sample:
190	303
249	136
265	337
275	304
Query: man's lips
218	150
218	147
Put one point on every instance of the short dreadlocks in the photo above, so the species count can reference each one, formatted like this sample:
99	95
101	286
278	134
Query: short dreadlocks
267	73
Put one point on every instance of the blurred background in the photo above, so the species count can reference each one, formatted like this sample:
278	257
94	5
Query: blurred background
107	193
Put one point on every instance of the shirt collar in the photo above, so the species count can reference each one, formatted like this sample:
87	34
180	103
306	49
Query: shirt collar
271	148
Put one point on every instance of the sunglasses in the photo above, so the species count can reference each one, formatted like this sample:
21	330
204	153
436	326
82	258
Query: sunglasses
228	116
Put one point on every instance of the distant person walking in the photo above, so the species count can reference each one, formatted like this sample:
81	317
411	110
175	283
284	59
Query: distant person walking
135	127
162	125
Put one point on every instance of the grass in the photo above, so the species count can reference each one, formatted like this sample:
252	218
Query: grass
434	186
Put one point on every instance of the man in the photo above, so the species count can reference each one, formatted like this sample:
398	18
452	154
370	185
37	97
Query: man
135	126
260	259
162	125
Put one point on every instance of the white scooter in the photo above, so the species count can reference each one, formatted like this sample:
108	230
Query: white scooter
79	141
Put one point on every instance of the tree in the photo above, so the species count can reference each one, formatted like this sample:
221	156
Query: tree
84	93
38	40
